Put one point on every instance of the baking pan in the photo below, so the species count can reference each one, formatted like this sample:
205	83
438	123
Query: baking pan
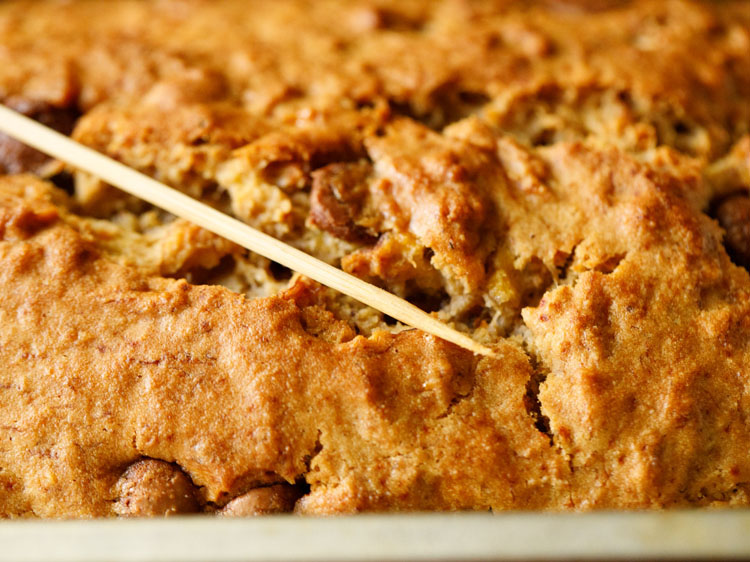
697	534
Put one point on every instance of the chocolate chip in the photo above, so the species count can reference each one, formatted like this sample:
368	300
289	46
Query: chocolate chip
337	198
733	214
279	498
16	157
154	488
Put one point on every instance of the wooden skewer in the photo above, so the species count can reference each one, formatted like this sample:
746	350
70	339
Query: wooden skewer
67	150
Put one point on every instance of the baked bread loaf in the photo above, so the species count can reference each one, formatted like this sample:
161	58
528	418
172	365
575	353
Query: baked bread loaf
567	182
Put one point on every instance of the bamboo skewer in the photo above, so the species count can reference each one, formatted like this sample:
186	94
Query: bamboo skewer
135	183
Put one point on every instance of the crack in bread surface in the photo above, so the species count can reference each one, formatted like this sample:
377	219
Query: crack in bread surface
544	187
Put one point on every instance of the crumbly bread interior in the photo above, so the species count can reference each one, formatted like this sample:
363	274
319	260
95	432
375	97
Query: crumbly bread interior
566	181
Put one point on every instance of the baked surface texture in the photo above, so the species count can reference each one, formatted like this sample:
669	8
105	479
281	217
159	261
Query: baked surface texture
567	182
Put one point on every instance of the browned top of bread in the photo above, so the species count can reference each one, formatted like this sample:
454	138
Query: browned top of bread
543	176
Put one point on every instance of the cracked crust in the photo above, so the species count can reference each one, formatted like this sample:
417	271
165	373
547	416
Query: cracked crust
236	392
548	188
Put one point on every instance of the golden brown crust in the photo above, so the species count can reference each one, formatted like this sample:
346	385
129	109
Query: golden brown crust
258	398
543	176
